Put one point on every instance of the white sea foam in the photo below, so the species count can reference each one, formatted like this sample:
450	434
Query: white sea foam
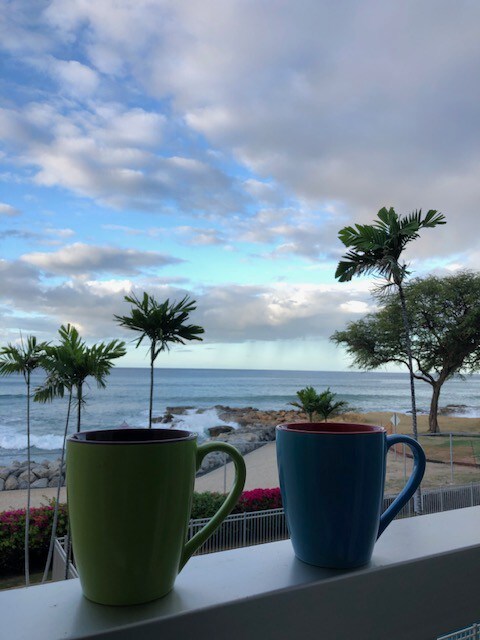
197	422
11	439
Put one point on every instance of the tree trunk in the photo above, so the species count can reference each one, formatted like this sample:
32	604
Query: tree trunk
79	407
27	513
152	360
57	500
417	498
433	426
408	343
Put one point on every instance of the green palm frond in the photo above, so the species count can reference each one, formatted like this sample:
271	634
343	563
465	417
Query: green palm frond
71	362
377	248
23	358
161	323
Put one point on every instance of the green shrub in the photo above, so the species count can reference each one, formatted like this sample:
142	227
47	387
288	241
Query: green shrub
206	504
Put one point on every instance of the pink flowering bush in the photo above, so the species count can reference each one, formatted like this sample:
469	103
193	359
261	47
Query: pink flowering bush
259	500
12	536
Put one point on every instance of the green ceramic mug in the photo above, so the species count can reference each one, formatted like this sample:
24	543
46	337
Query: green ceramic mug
129	502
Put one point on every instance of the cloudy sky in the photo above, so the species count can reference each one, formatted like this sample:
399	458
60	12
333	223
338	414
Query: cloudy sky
216	148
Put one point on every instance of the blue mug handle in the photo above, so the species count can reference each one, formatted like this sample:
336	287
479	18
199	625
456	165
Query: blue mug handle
419	462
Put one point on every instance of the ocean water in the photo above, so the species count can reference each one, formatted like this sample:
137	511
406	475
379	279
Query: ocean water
125	399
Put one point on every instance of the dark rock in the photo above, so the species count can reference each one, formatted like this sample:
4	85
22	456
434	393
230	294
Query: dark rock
2	484
11	483
53	482
41	471
178	411
23	484
41	483
452	408
24	477
216	431
4	473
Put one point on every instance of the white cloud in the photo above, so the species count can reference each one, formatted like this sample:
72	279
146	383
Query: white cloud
60	233
80	258
8	211
107	154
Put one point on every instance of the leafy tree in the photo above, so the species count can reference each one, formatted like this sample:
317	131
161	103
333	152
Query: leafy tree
161	323
444	316
323	404
377	249
23	360
68	365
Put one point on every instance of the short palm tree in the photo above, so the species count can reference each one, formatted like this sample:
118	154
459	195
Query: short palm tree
377	248
327	406
311	402
161	323
307	399
68	365
23	360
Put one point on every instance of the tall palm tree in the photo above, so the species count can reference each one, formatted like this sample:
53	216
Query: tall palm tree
23	360
161	323
377	248
68	365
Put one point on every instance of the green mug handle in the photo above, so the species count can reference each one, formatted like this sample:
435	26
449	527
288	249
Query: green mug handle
240	474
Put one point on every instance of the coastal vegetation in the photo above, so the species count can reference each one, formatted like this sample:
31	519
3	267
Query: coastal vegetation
22	360
68	365
162	324
444	320
377	249
322	404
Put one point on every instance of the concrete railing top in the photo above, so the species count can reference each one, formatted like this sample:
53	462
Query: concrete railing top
421	583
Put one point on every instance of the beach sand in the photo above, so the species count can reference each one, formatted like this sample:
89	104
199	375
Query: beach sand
262	463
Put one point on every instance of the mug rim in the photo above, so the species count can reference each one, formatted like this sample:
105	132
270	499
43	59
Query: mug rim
331	428
134	436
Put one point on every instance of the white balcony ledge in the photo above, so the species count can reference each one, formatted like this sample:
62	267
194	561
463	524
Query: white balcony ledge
421	583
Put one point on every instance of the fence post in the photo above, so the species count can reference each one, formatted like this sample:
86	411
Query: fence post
441	499
244	528
471	495
451	458
224	473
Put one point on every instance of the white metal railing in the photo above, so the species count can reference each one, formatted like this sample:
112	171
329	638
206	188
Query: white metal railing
469	633
257	527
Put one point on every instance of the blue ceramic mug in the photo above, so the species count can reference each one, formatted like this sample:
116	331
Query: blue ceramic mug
332	478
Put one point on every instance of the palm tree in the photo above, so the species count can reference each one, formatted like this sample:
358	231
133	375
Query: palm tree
377	248
311	402
327	406
307	401
68	365
163	324
23	360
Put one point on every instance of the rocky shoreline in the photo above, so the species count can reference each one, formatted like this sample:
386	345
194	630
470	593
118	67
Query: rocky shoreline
255	428
42	475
